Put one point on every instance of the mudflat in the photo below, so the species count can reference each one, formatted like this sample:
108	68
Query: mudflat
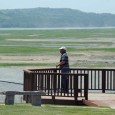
40	48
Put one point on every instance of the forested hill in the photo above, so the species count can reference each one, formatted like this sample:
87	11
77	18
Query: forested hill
53	17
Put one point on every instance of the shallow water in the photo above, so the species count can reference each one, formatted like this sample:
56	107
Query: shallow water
11	74
8	75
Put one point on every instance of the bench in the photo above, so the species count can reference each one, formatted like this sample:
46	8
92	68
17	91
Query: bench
35	96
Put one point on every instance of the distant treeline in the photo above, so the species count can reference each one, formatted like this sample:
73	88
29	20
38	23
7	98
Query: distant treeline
53	17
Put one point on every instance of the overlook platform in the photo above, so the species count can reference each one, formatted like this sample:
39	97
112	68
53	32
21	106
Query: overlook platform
82	88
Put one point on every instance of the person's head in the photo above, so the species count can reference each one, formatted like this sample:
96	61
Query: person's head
62	50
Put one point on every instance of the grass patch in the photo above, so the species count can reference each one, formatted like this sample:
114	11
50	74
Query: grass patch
50	50
69	33
93	64
27	109
97	49
26	64
27	50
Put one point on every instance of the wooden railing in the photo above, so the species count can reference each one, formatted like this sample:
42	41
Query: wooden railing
80	81
99	79
49	81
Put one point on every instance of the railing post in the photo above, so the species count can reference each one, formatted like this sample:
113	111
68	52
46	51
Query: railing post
34	82
55	79
114	80
76	88
103	81
54	85
86	86
40	81
27	81
27	84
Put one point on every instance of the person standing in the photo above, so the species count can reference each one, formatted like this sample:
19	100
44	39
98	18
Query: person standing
64	66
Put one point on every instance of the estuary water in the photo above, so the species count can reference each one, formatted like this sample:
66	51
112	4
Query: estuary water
11	79
64	28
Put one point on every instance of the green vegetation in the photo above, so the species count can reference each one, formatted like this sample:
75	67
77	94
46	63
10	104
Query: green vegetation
57	33
38	41
33	42
25	64
26	109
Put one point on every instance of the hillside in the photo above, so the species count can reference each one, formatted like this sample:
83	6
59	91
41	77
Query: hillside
52	17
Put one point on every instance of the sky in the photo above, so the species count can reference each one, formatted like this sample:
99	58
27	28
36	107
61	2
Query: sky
96	6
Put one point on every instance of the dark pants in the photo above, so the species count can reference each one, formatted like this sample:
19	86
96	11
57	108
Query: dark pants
64	80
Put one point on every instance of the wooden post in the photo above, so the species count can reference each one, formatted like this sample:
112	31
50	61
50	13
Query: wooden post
76	88
55	80
53	99
86	86
103	81
28	84
54	85
33	82
114	80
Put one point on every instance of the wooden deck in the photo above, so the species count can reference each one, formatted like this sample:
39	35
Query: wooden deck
87	80
94	99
